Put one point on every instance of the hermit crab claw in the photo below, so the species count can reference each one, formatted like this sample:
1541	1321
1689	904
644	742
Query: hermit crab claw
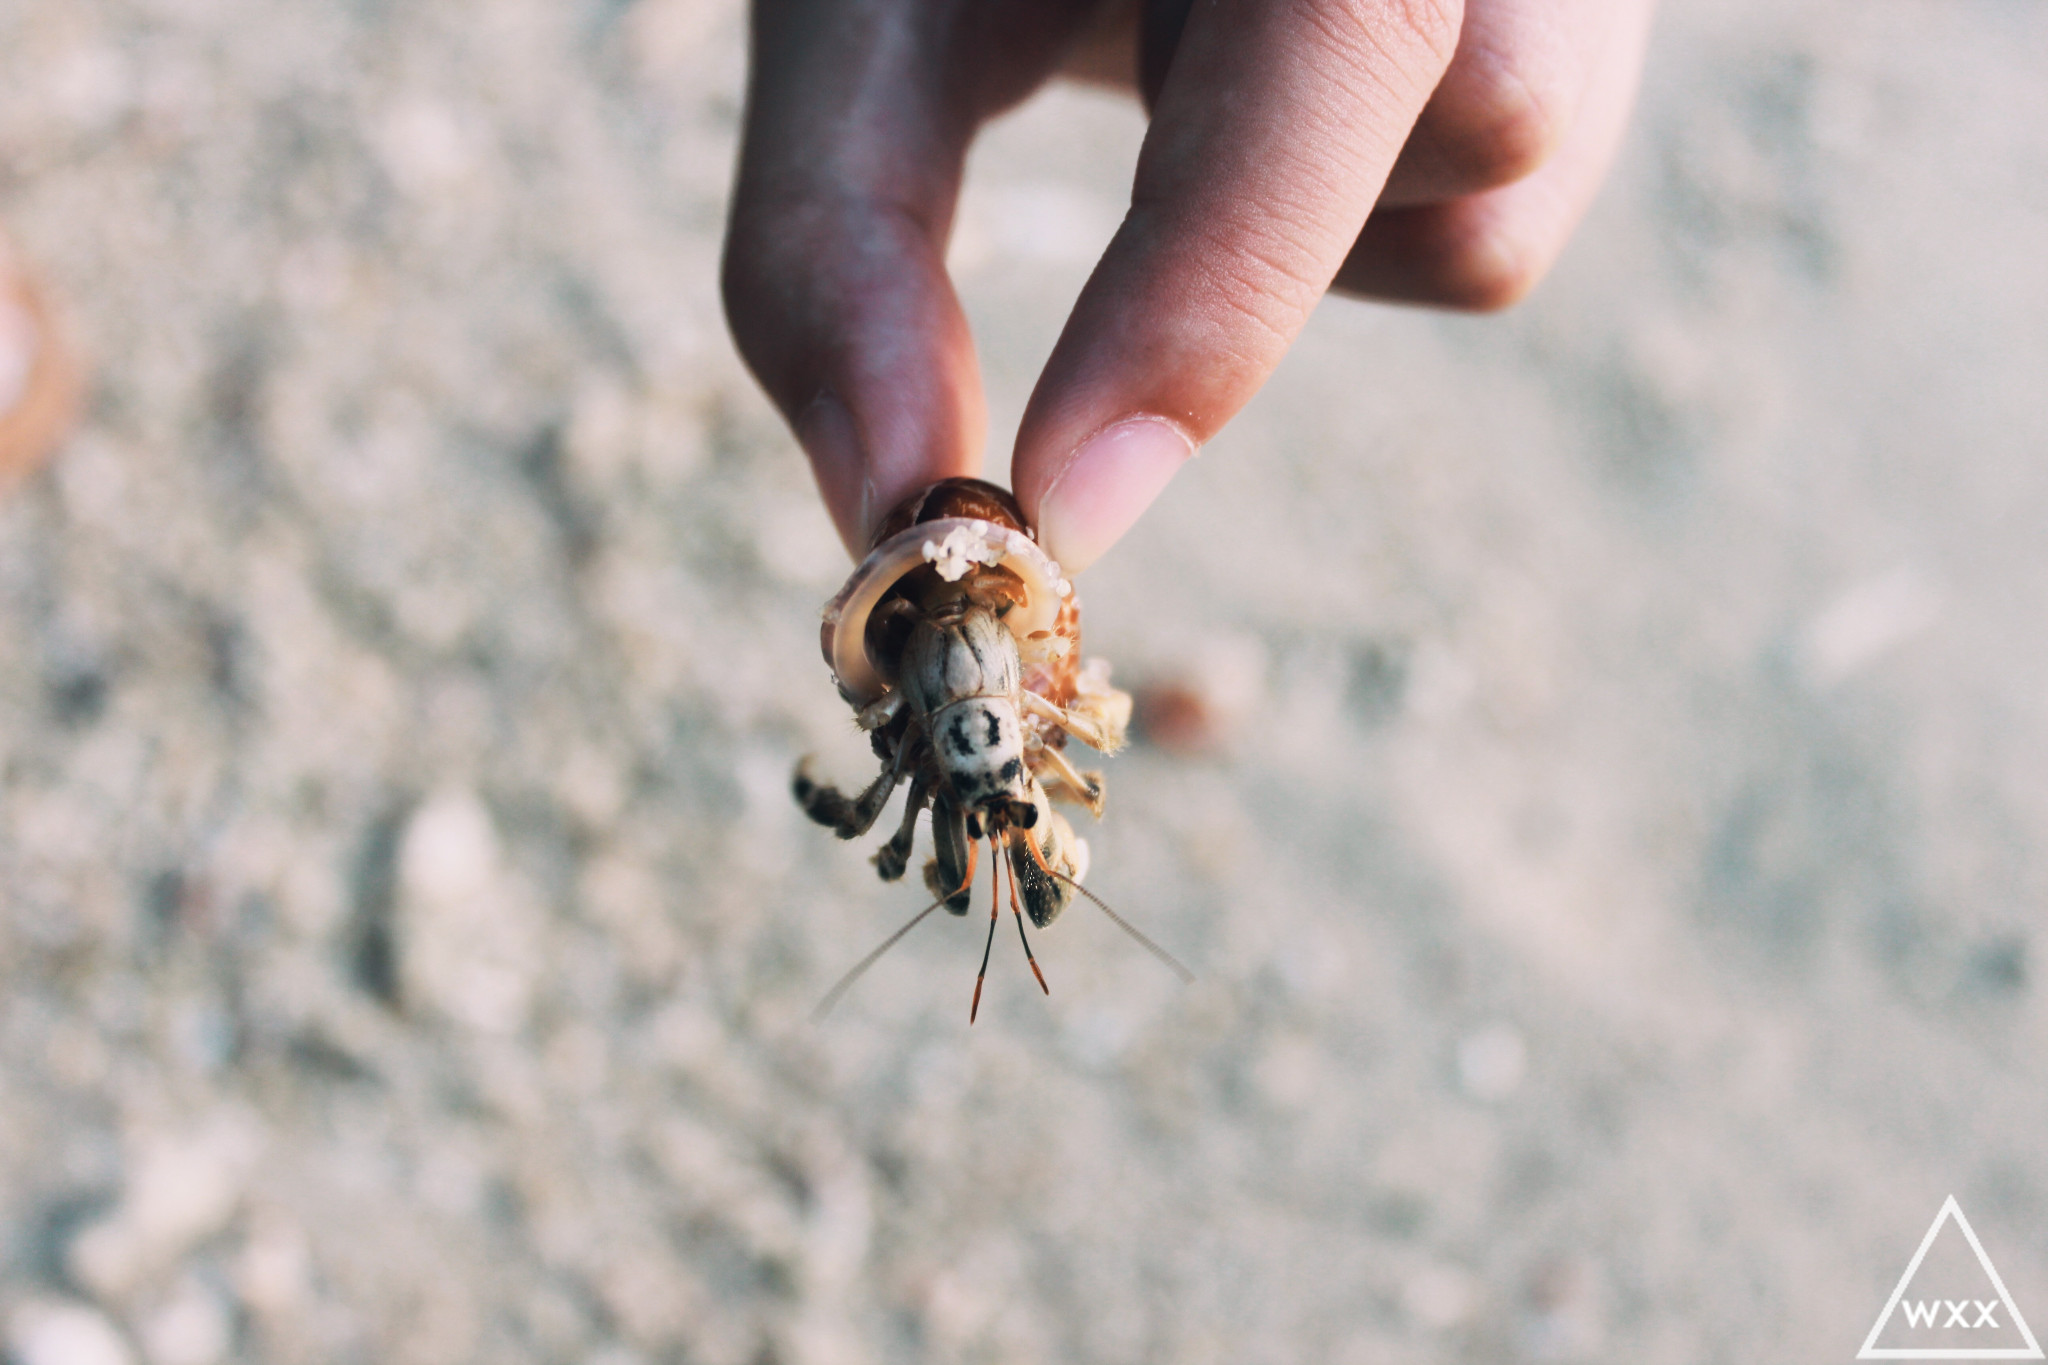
952	546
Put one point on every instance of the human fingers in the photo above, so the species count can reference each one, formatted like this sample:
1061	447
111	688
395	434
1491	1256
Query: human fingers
1272	136
1502	107
1485	251
1510	98
858	117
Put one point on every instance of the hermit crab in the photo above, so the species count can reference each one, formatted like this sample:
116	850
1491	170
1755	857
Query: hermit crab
957	643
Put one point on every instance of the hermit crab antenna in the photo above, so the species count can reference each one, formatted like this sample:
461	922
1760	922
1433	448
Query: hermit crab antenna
995	903
845	983
1172	963
1018	911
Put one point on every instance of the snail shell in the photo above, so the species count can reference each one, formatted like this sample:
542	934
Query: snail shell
936	539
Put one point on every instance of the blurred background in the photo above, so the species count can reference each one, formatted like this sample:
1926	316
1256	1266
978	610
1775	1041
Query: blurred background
1598	767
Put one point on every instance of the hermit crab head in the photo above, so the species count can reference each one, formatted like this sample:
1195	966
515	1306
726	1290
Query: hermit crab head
959	540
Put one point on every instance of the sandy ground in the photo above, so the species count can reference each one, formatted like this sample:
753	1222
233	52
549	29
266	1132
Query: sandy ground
1615	891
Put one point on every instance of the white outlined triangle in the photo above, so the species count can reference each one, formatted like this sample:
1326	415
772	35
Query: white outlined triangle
2031	1351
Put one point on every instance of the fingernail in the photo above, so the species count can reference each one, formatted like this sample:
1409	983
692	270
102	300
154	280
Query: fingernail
1107	486
825	430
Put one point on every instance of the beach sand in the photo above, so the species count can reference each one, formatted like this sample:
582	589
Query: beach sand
1613	861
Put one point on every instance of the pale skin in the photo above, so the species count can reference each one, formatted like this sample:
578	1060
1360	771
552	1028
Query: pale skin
1417	151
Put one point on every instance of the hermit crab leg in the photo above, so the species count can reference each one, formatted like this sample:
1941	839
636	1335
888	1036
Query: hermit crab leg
880	711
893	857
848	818
1086	789
1101	732
1018	911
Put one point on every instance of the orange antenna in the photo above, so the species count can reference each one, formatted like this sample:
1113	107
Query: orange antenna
845	983
995	903
1172	963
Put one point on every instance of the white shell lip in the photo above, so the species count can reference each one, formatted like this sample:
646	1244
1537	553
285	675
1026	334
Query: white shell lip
954	545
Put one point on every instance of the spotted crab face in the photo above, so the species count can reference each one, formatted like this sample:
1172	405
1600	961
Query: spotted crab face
980	748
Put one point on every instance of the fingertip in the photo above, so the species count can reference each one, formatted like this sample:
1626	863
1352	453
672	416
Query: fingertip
1106	485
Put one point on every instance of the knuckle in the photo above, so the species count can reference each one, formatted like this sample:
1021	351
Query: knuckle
1494	292
1244	271
1263	283
1401	47
1494	125
749	316
1398	26
1471	256
1489	269
799	265
750	283
738	280
1435	22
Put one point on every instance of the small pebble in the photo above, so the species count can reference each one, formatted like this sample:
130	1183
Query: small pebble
193	1328
64	1332
1492	1062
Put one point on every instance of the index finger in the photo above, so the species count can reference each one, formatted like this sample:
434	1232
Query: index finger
1273	135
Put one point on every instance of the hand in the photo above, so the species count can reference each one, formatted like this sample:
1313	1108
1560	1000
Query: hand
1474	140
